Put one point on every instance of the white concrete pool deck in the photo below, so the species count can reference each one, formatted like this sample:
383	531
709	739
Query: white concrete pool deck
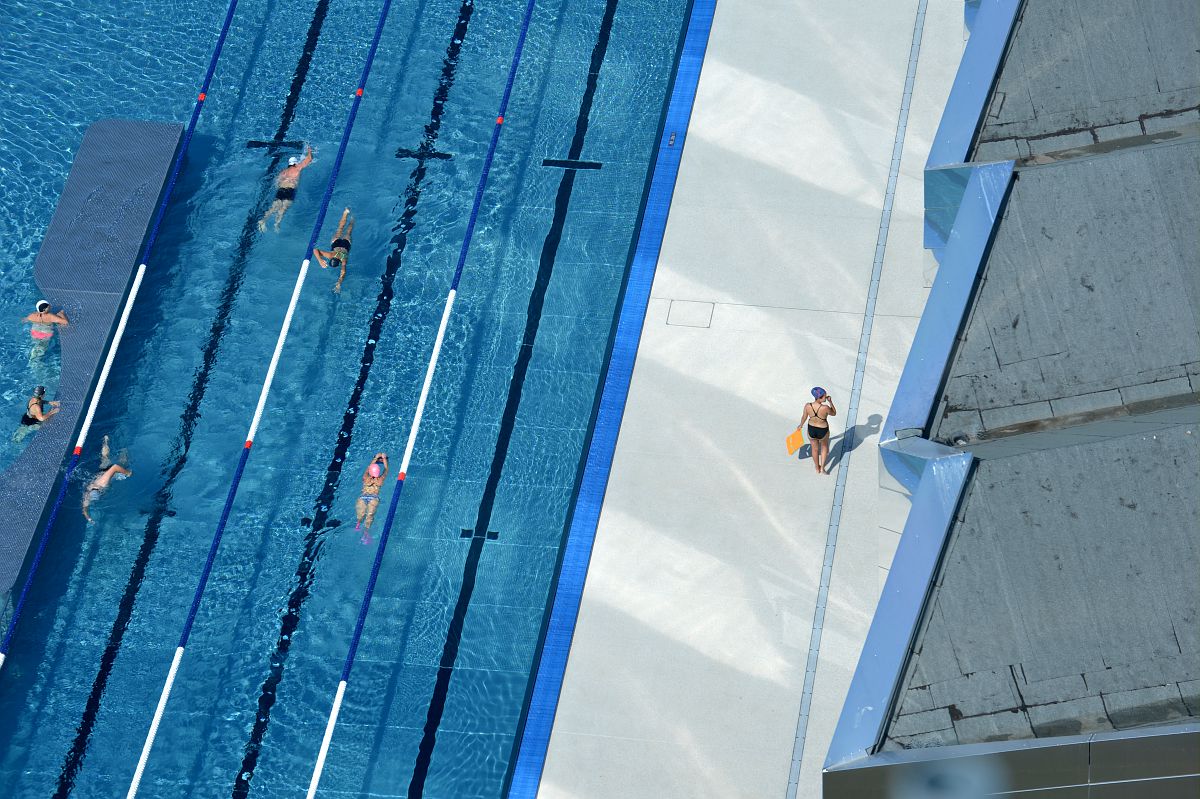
686	670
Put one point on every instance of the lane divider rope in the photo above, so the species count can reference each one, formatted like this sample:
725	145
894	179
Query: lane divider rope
365	604
201	96
258	410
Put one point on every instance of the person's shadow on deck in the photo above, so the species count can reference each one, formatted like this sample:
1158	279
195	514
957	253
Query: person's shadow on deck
837	445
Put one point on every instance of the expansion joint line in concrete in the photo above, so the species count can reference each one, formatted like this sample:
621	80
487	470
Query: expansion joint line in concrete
848	444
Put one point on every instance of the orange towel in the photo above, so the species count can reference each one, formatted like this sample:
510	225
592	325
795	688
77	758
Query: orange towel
795	441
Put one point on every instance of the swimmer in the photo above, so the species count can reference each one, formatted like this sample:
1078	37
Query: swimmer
339	252
35	413
817	415
368	500
109	471
41	327
285	189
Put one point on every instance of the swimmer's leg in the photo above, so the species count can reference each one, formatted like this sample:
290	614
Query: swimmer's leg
360	510
283	206
337	287
374	506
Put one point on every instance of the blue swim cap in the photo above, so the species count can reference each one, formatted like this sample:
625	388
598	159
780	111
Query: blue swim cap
818	392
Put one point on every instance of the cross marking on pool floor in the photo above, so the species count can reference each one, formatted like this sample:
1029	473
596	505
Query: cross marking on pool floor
422	153
467	532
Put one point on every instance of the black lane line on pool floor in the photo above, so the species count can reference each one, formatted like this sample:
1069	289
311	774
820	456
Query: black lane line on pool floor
481	532
191	415
319	523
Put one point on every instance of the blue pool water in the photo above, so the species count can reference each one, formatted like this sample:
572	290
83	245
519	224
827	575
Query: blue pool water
90	654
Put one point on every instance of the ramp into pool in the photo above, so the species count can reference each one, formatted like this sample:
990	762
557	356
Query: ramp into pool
85	266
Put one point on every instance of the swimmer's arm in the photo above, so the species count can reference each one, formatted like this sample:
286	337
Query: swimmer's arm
116	467
317	254
308	159
86	501
829	403
804	418
59	318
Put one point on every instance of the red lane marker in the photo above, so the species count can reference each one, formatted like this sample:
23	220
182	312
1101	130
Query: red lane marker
78	450
248	444
202	96
358	93
400	477
499	120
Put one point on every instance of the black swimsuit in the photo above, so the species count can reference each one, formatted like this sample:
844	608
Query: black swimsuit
285	193
26	419
337	259
817	433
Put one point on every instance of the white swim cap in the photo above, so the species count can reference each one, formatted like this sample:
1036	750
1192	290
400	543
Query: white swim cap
293	161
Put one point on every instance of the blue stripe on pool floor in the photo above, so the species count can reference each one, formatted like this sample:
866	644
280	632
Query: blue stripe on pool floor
543	703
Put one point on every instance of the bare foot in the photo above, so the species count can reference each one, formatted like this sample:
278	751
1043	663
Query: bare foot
262	225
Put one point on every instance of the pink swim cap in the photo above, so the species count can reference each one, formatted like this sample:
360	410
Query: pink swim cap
375	470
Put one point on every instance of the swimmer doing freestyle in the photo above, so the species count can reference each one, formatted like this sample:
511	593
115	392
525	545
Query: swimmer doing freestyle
285	189
338	252
109	471
368	500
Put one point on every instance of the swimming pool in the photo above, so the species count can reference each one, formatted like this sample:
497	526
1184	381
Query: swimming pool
249	707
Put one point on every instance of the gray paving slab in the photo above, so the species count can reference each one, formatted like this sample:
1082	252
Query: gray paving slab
1069	717
923	722
1189	691
85	263
1053	690
1004	726
1151	705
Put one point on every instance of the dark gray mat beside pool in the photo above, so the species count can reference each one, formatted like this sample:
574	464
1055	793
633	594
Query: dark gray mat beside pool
85	265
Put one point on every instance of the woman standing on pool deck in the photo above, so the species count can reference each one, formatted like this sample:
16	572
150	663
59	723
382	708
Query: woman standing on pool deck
368	499
285	189
339	251
41	327
817	414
